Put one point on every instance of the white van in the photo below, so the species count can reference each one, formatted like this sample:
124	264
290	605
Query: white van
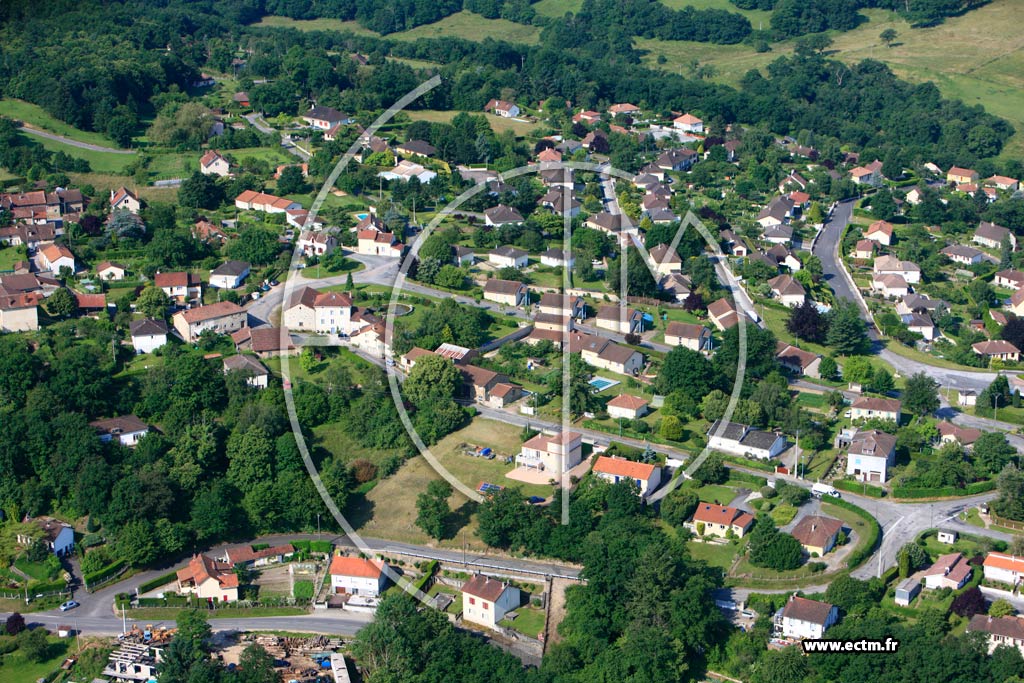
819	490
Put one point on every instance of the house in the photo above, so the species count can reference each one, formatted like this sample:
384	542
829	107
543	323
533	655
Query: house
864	250
922	324
920	303
798	361
223	317
1017	303
371	338
892	285
180	287
998	349
587	116
108	271
777	212
508	257
1004	568
325	118
863	175
740	439
549	155
719	520
375	243
817	534
564	305
906	591
890	265
794	179
692	336
802	618
666	259
676	159
962	254
123	198
147	334
316	243
948	571
952	433
961	175
507	292
866	408
999	631
256	374
562	202
608	223
555	453
127	429
502	108
783	256
462	256
778	234
627	407
208	579
557	258
54	257
229	274
241	99
1009	279
915	196
322	312
19	312
677	285
607	355
625	109
722	314
870	455
1002	182
58	536
688	123
488	387
246	556
880	231
250	200
619	319
357	576
502	215
405	169
212	163
419	148
991	235
645	476
486	601
787	290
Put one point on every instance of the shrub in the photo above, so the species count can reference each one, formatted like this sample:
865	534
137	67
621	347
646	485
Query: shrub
363	470
767	492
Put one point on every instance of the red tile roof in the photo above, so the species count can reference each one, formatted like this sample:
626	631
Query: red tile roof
621	467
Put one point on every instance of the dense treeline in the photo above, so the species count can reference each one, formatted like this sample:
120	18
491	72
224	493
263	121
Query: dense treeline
800	17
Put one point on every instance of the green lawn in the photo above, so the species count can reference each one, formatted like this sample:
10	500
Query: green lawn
783	514
713	492
973	517
498	123
9	256
15	668
36	570
530	621
557	8
37	117
716	555
456	605
101	162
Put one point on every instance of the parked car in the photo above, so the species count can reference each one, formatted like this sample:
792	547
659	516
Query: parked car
70	604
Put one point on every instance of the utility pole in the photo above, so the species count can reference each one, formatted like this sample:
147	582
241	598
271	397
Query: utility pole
318	526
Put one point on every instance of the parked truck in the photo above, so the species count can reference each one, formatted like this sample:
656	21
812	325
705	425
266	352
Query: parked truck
819	490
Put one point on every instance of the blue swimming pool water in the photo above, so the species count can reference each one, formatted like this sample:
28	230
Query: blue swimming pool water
361	216
602	383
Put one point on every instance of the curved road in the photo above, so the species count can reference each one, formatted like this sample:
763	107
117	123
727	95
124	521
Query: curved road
74	143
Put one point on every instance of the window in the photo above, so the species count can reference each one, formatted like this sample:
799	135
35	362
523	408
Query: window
472	601
484	605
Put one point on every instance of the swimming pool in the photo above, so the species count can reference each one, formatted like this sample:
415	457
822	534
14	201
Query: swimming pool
362	216
602	383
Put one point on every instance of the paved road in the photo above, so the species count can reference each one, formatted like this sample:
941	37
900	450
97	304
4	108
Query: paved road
73	143
257	122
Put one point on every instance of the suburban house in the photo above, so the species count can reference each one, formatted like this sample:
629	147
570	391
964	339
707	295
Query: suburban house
420	148
952	433
147	334
507	292
778	234
740	439
692	336
587	116
565	305
405	169
486	601
557	258
208	579
58	536
325	118
502	108
666	259
19	312
624	321
223	317
357	576
676	159
1004	568
53	257
719	520
627	407
677	285
890	265
250	200
508	257
1000	631
644	475
688	123
798	361
212	163
920	303
870	455
991	235
723	314
959	175
949	571
962	254
608	223
880	232
1002	182
316	243
1017	303
179	287
552	453
783	256
127	429
998	349
376	243
922	324
462	256
229	274
246	556
624	108
123	198
108	270
502	215
866	407
488	387
864	175
817	534
607	355
255	373
890	285
787	290
1009	279
803	618
776	213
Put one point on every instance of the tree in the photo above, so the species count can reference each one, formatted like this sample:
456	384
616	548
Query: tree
991	452
807	323
432	508
888	36
921	394
432	378
787	665
1001	608
828	368
711	471
882	381
15	624
769	548
200	191
502	518
291	181
256	246
62	303
969	603
672	428
136	543
686	371
153	303
910	558
847	333
33	645
679	506
255	665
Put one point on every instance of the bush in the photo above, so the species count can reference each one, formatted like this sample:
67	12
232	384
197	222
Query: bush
872	533
161	580
767	492
15	624
858	487
816	567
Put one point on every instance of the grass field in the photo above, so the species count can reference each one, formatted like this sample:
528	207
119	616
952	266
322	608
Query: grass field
15	668
37	117
101	162
975	57
10	255
498	123
758	18
716	555
557	8
530	621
